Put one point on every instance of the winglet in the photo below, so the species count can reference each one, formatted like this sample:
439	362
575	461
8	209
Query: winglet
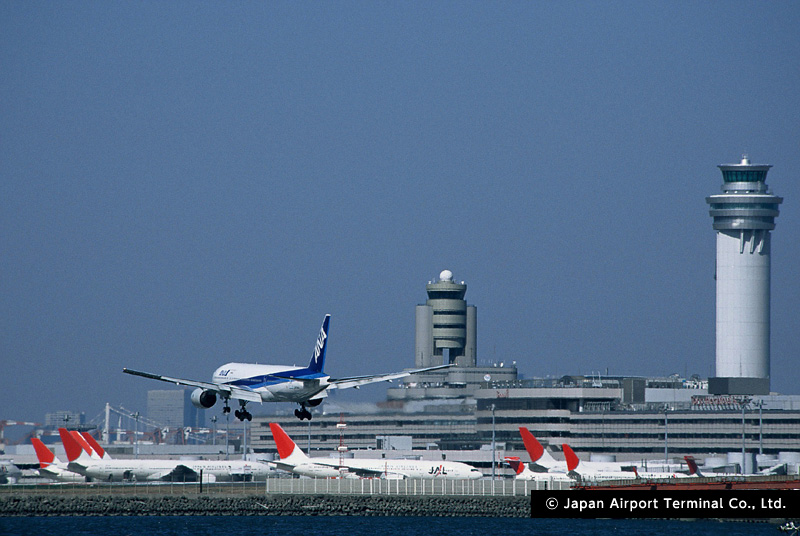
44	454
317	363
72	448
534	448
572	458
286	446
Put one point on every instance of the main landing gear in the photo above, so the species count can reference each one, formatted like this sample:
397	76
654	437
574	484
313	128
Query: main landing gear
302	413
241	414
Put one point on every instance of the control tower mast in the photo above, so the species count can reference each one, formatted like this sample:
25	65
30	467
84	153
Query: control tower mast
744	214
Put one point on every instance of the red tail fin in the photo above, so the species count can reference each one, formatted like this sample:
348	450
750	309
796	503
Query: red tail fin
82	442
71	446
282	440
515	463
44	454
693	469
94	444
572	458
534	448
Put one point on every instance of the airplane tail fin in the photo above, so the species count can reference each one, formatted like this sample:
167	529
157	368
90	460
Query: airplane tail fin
537	452
572	458
317	363
95	445
692	463
534	448
44	454
515	463
287	449
71	446
87	448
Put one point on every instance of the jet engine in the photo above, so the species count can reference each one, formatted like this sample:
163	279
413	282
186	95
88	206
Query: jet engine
203	399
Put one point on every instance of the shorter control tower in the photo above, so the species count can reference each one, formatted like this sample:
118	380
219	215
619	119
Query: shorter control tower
446	327
744	214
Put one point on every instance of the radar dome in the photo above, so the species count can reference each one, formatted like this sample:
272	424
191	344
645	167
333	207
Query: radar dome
446	275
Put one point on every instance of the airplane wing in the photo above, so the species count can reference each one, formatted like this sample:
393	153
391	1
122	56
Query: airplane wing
364	472
357	381
371	473
223	390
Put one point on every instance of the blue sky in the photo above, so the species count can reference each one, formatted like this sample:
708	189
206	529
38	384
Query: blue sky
185	184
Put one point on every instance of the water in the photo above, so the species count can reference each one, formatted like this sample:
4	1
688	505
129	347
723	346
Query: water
364	526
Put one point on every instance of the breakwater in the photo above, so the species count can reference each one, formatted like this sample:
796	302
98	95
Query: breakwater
262	505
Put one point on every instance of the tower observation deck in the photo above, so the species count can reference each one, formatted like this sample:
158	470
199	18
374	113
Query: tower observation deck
744	214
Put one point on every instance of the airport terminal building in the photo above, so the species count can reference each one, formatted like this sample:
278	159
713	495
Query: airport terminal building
473	413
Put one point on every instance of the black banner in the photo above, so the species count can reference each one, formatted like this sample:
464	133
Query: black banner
663	504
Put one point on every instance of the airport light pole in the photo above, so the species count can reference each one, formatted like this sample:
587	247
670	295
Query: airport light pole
760	405
214	425
494	444
136	433
744	401
666	435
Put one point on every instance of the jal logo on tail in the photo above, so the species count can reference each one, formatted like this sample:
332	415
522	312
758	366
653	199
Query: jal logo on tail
319	345
437	471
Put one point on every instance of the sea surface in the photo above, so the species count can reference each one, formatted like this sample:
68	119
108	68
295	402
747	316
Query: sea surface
364	526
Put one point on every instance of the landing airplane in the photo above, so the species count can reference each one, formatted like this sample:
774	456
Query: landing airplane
275	383
158	470
293	459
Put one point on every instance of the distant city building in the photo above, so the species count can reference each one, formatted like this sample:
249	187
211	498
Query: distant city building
173	409
744	214
65	419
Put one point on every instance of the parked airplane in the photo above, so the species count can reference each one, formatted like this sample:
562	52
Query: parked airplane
246	382
153	470
577	469
9	473
294	460
523	472
51	467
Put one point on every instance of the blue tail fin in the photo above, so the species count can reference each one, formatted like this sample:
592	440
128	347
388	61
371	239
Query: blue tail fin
317	363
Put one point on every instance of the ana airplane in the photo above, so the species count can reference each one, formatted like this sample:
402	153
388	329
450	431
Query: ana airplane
246	382
51	467
158	470
294	460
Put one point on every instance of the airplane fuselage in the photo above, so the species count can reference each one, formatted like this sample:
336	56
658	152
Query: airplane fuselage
273	383
152	470
390	469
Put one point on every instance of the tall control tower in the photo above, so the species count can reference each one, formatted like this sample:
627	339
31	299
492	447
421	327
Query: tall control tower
446	327
744	214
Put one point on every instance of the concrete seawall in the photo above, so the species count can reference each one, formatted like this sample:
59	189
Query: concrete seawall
263	505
